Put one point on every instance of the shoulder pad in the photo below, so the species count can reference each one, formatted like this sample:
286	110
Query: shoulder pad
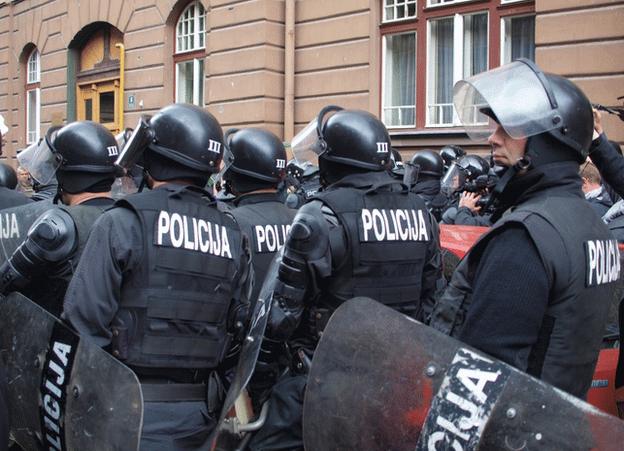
54	233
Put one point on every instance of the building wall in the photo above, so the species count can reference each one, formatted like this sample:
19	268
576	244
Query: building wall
584	41
337	58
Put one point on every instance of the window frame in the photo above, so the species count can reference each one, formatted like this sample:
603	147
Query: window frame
37	125
458	60
503	26
197	54
420	25
447	3
32	86
383	79
394	5
195	35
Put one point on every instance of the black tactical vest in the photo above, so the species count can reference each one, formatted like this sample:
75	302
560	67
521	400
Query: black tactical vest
174	307
582	262
266	221
388	233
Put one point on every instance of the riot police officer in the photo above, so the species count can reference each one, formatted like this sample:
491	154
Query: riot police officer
81	157
165	279
8	181
256	168
450	154
429	169
364	234
303	180
535	291
466	182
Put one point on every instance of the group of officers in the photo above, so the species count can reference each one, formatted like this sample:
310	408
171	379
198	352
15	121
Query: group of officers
166	279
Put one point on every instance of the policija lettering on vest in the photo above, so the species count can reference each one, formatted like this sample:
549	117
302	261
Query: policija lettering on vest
394	225
194	234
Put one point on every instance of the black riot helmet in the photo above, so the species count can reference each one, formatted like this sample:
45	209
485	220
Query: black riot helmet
429	164
86	152
8	176
463	172
451	153
185	142
258	159
549	110
354	138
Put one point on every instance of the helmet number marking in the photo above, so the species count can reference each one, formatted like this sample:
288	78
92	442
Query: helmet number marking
214	146
113	151
382	147
280	164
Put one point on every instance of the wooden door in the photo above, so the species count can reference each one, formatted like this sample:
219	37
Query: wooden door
99	102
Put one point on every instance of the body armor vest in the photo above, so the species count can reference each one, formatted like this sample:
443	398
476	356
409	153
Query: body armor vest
266	221
174	307
582	263
388	233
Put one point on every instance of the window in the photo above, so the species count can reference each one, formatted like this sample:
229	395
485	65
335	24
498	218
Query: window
399	80
517	38
429	45
190	53
444	2
33	101
33	67
458	48
399	10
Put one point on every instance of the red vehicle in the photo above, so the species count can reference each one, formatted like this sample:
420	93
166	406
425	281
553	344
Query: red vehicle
457	240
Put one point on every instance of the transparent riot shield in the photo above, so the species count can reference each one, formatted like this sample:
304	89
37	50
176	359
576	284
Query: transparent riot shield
382	381
64	393
251	347
15	223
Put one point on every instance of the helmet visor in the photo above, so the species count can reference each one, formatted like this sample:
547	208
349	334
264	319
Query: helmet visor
410	173
453	180
512	95
135	145
305	145
39	160
226	163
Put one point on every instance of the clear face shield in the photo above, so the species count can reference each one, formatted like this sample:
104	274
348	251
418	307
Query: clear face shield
40	160
227	160
306	145
135	145
454	179
517	96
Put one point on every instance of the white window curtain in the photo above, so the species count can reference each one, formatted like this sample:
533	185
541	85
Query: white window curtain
399	87
32	115
458	48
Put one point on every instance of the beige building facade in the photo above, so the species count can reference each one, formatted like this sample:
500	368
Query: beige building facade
275	63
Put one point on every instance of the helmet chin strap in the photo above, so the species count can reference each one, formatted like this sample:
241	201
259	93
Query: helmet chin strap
520	167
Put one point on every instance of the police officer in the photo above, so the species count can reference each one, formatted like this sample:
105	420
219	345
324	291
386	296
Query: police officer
164	282
450	154
8	181
466	182
303	178
257	168
429	167
364	234
81	156
535	290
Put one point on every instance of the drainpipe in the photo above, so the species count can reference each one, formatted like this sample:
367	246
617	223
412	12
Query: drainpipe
289	71
122	76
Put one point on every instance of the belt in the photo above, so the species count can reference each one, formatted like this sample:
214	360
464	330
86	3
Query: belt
173	392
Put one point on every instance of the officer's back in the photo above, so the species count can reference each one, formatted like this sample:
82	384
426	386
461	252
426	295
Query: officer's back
256	171
164	280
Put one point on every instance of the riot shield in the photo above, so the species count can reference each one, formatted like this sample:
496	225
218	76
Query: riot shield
381	381
64	393
251	347
15	223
